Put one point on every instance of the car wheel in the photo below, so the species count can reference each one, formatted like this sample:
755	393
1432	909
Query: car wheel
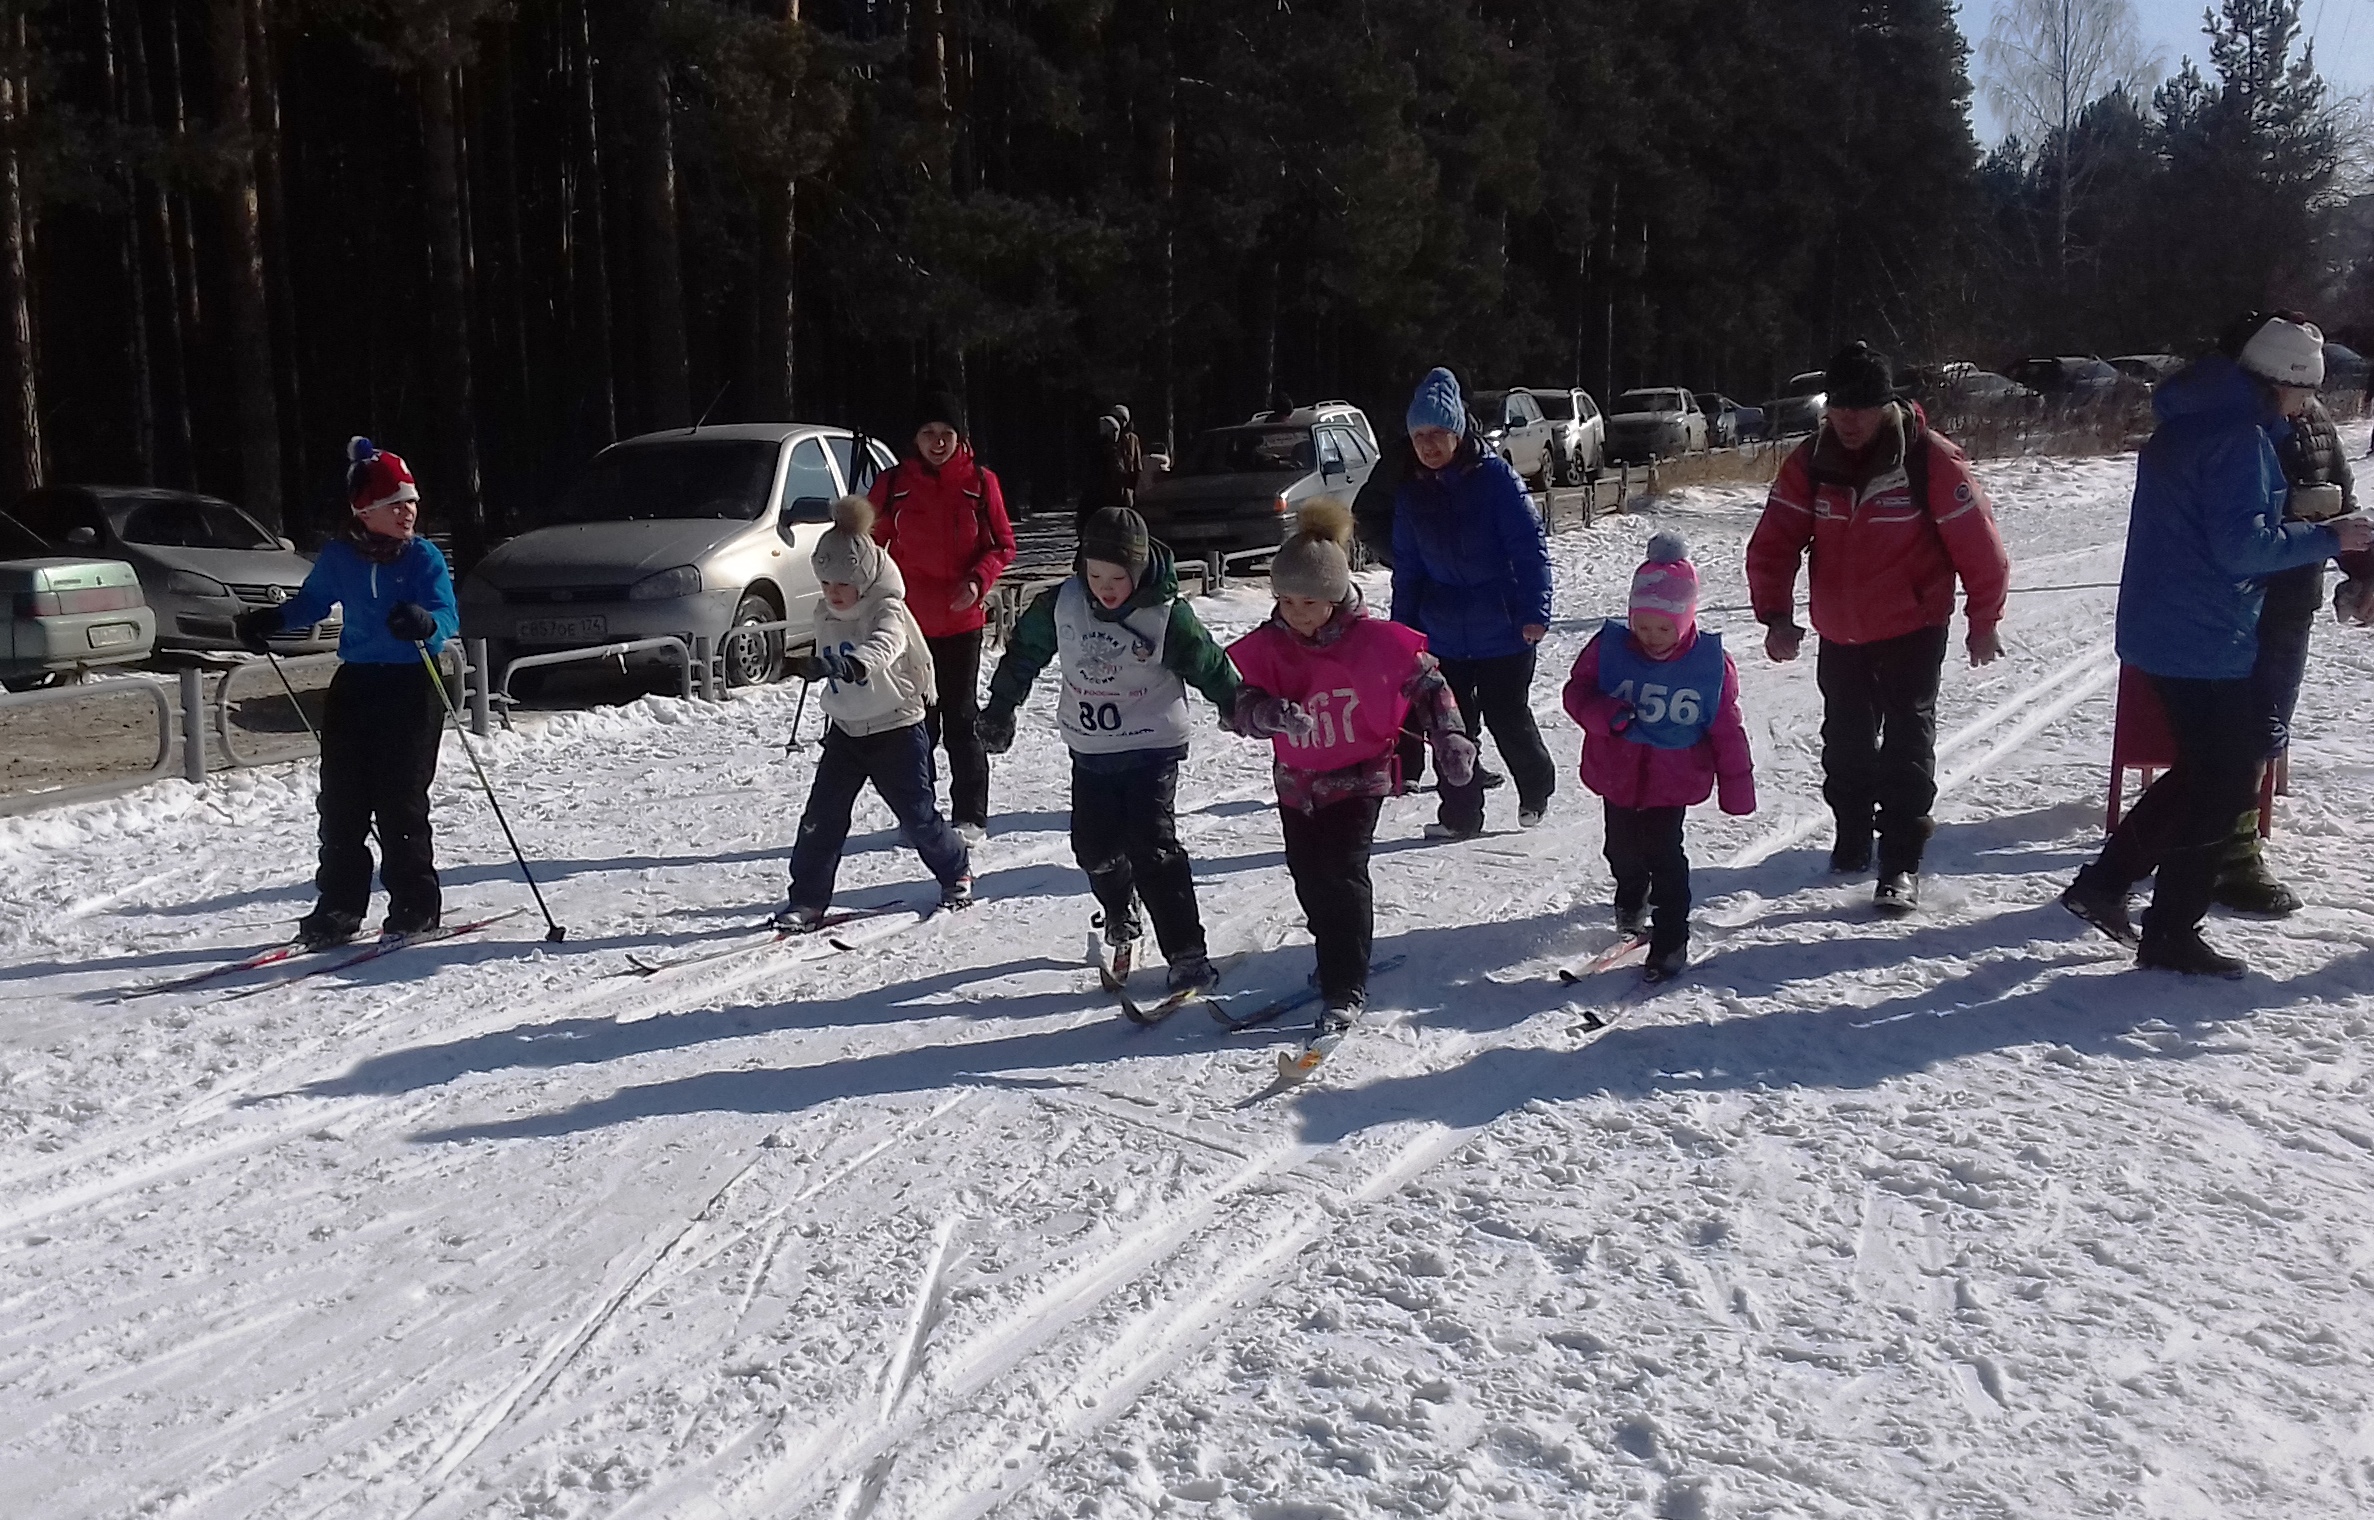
752	659
39	680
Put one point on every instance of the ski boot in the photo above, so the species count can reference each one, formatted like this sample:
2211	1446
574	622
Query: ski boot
1898	893
409	921
796	918
1451	832
2244	883
1192	973
1632	920
325	927
1666	962
957	895
1851	855
2103	906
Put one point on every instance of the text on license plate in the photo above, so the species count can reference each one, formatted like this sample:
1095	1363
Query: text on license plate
107	634
563	630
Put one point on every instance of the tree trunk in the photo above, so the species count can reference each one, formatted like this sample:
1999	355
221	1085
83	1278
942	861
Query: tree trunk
140	393
280	288
23	373
243	239
449	318
155	206
660	287
590	246
778	304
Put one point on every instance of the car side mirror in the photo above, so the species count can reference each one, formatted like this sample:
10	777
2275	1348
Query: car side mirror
804	509
82	538
287	545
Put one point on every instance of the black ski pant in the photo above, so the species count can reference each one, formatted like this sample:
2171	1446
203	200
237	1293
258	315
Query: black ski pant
380	730
1644	850
1125	835
1879	739
1327	852
954	720
898	762
2184	821
1497	693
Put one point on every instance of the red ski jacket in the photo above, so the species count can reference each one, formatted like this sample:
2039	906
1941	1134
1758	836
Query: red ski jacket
947	530
1883	564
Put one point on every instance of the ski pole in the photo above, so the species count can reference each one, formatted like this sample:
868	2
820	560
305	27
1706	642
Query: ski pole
292	691
554	932
798	713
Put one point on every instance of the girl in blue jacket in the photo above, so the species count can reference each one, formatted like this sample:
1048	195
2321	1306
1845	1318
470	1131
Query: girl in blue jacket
384	719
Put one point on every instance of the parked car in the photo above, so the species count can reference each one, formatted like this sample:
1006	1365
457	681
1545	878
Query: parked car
1985	394
1578	434
1516	428
66	612
1238	488
1799	406
2151	369
1340	412
2345	370
201	560
1654	422
2070	381
692	533
1722	419
1751	422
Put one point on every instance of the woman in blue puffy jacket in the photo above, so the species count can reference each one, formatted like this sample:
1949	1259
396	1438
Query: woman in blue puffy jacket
2206	532
1471	571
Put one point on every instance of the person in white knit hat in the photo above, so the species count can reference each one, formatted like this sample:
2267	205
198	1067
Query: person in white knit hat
878	679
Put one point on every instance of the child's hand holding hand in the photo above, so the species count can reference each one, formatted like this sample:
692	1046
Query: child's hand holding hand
1266	717
1620	718
995	727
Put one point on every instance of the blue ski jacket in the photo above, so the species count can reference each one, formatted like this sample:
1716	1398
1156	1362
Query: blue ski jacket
2207	527
418	575
1470	565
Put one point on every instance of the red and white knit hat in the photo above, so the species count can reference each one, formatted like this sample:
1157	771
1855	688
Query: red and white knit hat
1667	582
376	478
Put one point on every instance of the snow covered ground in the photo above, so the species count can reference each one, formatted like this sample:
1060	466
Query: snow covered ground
1957	1216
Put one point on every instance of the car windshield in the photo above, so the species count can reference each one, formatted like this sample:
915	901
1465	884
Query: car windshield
188	522
645	482
1649	401
1250	451
17	540
1558	406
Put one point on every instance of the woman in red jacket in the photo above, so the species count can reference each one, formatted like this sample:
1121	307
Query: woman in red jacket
943	520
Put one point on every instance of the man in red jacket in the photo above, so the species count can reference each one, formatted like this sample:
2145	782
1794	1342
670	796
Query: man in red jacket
1891	515
943	520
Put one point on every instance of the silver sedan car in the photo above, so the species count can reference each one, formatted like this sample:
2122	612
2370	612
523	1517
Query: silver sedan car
692	533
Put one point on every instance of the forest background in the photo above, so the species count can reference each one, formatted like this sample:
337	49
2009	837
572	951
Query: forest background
497	234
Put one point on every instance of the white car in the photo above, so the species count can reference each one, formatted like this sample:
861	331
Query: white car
66	612
691	532
1579	434
1655	422
1516	429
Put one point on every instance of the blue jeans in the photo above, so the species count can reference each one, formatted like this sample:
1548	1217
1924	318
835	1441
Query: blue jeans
2294	598
899	764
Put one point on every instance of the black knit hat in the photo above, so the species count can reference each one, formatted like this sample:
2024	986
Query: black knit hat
939	406
1117	536
1858	376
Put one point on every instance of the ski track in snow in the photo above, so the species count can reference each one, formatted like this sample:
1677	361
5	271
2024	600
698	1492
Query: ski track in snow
1953	1216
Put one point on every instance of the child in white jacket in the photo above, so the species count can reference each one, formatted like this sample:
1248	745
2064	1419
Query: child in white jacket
878	682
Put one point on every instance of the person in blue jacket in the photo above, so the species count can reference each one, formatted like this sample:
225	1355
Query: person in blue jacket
1471	571
2206	530
384	718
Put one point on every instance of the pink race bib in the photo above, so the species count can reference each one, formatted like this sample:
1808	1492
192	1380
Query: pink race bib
1351	688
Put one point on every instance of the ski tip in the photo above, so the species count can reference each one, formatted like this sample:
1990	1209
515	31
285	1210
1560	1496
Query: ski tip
1566	975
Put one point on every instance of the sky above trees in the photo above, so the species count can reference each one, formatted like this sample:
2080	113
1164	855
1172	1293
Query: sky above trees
2343	31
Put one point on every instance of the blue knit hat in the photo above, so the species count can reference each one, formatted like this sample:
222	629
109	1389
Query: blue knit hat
1438	404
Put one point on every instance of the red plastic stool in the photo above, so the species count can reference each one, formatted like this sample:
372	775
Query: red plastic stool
2140	741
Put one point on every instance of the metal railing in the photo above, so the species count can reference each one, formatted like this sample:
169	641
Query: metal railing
188	730
503	699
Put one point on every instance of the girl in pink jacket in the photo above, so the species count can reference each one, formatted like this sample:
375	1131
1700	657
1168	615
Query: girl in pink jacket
1658	701
1332	688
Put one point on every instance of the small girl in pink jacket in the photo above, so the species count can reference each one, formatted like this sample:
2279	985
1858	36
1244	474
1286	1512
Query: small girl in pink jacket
1658	701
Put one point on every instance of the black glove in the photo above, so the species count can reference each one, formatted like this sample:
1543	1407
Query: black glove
995	729
411	622
254	626
831	665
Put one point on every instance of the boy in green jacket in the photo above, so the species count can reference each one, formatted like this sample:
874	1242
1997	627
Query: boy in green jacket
1130	649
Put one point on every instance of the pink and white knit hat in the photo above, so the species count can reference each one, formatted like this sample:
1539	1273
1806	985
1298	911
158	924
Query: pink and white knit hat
1667	582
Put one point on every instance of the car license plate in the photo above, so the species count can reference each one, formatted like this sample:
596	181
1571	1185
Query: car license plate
563	630
107	635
